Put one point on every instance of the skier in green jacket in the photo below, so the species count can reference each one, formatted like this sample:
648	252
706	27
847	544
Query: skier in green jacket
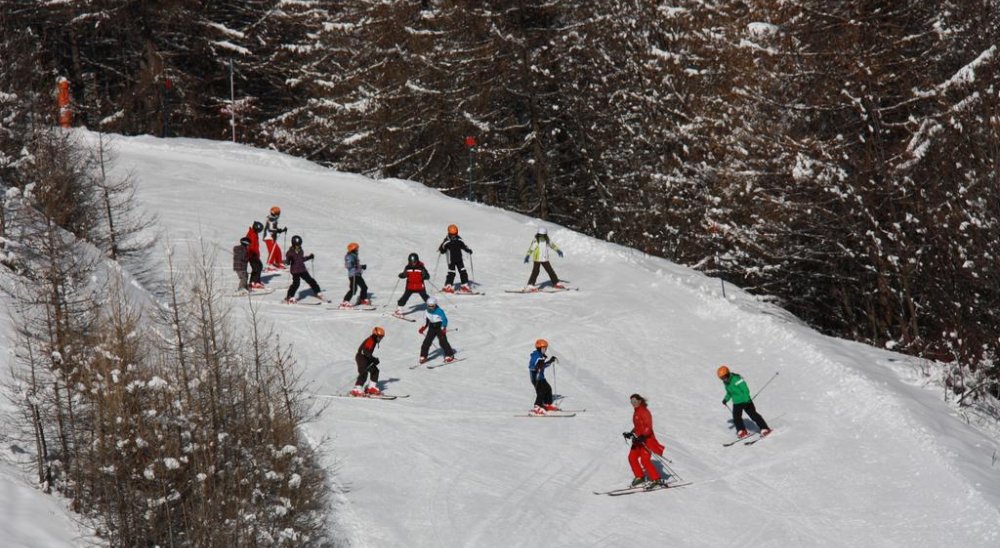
738	391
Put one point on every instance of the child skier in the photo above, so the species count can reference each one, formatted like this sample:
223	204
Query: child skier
536	368
738	391
454	246
271	231
644	443
538	252
436	326
296	259
368	365
354	269
240	262
253	255
414	273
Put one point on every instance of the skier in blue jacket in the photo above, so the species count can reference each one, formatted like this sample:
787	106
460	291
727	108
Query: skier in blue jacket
354	270
436	326
536	368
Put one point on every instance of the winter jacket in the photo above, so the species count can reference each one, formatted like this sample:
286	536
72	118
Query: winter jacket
415	274
736	390
642	427
537	364
367	349
353	264
296	260
453	246
253	250
271	229
435	317
539	249
240	259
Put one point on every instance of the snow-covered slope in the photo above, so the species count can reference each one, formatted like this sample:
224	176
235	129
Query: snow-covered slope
861	456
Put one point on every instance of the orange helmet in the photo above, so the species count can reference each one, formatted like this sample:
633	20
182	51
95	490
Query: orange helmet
378	331
452	230
275	210
722	372
541	343
353	246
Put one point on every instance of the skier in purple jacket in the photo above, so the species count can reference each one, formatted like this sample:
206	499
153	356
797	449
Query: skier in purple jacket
296	261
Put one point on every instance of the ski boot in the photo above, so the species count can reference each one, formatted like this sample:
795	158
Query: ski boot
537	411
551	407
449	359
448	289
357	391
637	482
742	434
373	390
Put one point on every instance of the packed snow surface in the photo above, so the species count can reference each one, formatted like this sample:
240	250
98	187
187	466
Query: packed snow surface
862	455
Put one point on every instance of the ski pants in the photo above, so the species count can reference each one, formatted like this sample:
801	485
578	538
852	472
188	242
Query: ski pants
738	409
304	276
356	282
255	267
641	461
434	332
462	274
364	369
273	253
408	292
548	268
543	392
243	280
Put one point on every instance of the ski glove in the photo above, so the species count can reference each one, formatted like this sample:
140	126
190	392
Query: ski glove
422	330
628	435
559	251
470	252
364	267
402	275
311	257
639	440
526	259
724	402
374	361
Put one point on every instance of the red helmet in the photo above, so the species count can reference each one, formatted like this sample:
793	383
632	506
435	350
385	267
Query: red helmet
275	210
541	343
722	372
378	331
353	246
452	230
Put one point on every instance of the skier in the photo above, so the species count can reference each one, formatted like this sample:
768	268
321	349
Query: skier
536	368
644	442
271	231
354	269
454	246
414	273
738	391
296	259
253	255
368	364
436	326
538	252
240	262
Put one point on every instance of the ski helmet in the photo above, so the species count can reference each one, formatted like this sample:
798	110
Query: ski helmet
413	258
452	230
378	332
258	226
542	231
244	241
431	301
296	240
722	372
275	211
541	343
353	246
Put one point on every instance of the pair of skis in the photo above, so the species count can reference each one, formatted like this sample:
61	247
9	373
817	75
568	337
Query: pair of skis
542	290
641	489
560	414
364	396
749	439
435	365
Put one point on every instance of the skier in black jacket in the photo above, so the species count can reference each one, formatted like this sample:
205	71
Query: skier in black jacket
454	246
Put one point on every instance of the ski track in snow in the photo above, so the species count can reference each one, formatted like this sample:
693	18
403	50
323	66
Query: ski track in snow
859	457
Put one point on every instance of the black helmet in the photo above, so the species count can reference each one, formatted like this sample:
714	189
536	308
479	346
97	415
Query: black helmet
296	240
244	241
413	258
258	226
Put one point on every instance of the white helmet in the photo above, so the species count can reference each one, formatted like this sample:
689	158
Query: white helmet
431	301
542	231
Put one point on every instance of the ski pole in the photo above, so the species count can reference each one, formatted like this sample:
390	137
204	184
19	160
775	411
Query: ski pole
472	266
554	360
442	293
436	263
393	294
765	386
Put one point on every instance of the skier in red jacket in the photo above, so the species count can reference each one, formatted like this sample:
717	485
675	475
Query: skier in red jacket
643	442
253	255
414	273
